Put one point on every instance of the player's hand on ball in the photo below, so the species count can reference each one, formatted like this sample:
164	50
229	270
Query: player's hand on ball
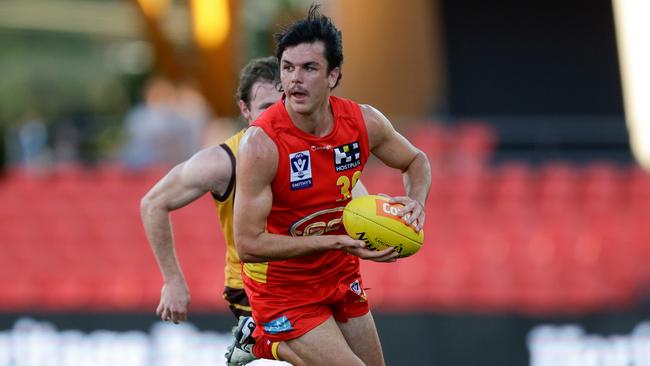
412	213
386	255
174	301
343	242
382	224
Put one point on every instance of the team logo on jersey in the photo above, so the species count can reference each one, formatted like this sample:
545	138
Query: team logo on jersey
347	156
318	223
300	170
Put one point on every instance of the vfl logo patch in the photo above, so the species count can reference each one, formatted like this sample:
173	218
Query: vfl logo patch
356	288
300	170
347	156
281	324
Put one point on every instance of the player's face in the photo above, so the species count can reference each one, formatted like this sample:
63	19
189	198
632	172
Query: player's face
263	95
305	79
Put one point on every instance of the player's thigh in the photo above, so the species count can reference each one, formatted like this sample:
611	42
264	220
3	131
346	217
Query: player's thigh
324	345
287	354
362	337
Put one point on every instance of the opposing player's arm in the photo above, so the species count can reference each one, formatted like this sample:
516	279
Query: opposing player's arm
207	170
257	163
397	152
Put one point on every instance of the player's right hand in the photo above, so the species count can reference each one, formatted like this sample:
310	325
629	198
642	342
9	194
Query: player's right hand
386	255
358	248
342	242
174	301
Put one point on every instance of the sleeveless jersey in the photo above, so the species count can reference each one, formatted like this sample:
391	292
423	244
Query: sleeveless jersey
312	185
224	204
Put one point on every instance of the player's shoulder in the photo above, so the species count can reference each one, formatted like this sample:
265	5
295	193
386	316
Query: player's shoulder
232	143
377	125
257	146
373	117
208	168
370	112
208	158
256	137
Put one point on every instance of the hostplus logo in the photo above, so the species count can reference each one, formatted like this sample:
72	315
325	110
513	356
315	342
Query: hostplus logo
347	156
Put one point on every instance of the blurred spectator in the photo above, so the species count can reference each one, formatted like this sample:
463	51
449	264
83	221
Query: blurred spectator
27	144
166	127
193	109
65	142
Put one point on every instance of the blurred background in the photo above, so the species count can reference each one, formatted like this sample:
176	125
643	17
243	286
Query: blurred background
534	116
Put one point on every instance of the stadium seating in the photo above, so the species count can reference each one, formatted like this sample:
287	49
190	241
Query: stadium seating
514	237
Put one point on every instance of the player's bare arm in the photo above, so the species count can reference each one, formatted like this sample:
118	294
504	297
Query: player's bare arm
208	170
258	160
397	152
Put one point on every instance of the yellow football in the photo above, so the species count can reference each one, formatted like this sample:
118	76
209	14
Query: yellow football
374	220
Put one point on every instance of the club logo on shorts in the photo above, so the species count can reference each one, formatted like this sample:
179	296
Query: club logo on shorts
347	156
279	325
300	170
356	288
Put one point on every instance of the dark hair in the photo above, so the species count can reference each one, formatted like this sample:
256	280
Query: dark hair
316	27
264	69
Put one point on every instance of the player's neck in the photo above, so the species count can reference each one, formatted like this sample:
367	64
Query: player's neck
318	123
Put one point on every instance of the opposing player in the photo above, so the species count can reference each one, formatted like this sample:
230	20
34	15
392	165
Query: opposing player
210	170
296	168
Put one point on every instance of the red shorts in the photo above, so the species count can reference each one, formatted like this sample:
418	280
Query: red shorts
284	312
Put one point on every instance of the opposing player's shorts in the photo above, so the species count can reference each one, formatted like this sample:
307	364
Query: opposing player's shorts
237	301
284	312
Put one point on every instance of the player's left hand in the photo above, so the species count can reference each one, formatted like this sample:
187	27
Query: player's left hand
412	213
174	301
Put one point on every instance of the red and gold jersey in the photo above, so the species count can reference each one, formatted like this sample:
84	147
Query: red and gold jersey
313	183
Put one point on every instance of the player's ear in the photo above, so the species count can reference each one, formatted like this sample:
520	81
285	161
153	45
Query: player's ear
245	111
333	77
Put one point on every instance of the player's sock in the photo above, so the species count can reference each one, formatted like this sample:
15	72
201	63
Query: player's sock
265	348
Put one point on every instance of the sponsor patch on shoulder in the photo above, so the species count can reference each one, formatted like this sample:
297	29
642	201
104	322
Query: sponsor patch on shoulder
300	170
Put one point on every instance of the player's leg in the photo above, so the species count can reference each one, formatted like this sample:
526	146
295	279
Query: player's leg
281	351
285	353
324	345
245	349
362	337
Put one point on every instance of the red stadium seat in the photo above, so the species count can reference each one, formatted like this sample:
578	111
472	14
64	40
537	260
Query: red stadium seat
556	239
474	142
493	278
